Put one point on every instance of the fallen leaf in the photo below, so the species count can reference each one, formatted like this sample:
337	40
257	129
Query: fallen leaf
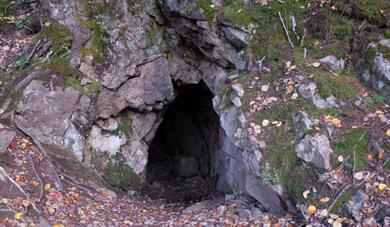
369	157
382	186
324	213
358	175
311	209
306	193
388	132
18	216
324	200
316	64
265	122
26	203
264	88
336	121
47	187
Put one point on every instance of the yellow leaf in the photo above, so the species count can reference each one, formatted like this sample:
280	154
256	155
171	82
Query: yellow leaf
324	200
18	216
388	132
58	225
336	121
382	186
47	187
311	209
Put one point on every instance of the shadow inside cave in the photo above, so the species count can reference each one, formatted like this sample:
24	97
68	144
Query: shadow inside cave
181	155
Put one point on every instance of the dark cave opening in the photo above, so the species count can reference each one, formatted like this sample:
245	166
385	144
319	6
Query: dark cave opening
180	163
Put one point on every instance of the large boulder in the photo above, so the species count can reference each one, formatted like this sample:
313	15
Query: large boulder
315	149
53	114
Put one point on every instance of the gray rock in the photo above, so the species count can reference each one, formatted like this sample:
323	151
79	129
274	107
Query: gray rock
154	86
54	116
109	124
358	200
374	69
256	212
301	123
308	91
186	166
196	208
315	149
332	63
244	213
6	137
236	101
236	36
221	210
182	72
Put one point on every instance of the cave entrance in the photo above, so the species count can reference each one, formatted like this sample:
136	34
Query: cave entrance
180	164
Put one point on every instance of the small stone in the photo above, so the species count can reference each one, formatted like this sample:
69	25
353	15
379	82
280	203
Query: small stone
221	210
229	197
237	101
244	213
324	213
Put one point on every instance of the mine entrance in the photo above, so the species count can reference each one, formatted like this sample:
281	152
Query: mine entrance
180	163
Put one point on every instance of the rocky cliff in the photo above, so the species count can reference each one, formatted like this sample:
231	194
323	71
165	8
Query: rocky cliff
209	88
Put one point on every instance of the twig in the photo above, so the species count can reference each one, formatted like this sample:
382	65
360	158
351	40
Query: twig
5	41
5	174
354	165
285	30
261	65
33	51
37	175
338	196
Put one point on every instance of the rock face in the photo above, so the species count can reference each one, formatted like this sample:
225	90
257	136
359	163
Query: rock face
315	149
5	139
146	58
54	115
374	67
333	64
308	91
152	89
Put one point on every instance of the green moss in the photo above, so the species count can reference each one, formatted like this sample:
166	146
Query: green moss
298	57
341	202
328	85
60	37
121	176
387	35
7	8
372	9
190	9
356	142
237	13
59	65
97	44
75	82
125	128
284	166
207	9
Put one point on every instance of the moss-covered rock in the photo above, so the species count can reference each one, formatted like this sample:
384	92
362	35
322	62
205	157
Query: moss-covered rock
121	176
